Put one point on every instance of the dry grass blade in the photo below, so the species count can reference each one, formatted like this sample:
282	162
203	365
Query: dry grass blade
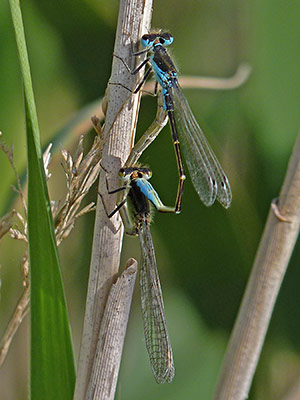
81	172
272	258
6	222
107	359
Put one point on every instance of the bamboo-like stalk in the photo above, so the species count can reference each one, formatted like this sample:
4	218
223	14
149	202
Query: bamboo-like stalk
107	359
273	255
120	123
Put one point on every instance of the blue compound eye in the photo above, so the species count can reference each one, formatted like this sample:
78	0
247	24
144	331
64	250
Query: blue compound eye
166	39
148	40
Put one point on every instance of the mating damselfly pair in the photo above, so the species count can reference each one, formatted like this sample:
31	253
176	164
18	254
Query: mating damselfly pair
136	193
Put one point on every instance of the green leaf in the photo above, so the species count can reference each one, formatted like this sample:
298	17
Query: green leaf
52	362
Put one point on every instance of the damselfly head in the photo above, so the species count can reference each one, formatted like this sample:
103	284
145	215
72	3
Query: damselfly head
151	39
141	173
132	173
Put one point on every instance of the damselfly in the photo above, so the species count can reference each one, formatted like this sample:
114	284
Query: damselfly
134	207
206	172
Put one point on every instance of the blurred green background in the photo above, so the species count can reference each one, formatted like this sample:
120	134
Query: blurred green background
204	254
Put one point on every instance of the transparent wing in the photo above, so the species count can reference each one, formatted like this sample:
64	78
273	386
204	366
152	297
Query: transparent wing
155	328
206	172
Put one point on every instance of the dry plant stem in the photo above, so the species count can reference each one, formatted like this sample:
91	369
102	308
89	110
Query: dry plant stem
270	264
15	321
107	359
239	78
120	123
205	82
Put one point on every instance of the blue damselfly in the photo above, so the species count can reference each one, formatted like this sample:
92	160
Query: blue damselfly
136	194
206	172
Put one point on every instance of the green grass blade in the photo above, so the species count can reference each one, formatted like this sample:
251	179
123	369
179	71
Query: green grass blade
52	362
